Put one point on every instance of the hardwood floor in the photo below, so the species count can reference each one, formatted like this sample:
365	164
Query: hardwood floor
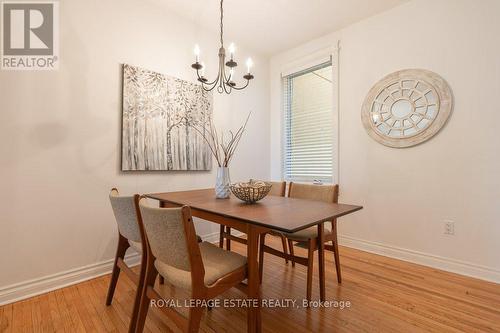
386	295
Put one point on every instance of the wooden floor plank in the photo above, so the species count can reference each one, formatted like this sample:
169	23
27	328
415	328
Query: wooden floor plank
45	314
90	319
386	295
100	322
101	289
80	323
67	318
108	314
21	317
36	315
5	318
56	315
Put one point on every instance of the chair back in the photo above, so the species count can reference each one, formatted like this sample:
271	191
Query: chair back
278	189
170	234
125	215
326	193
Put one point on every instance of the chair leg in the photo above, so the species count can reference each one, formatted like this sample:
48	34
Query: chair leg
310	263
149	281
321	264
161	280
335	244
292	252
337	261
195	314
221	236
123	245
138	295
228	241
283	243
261	256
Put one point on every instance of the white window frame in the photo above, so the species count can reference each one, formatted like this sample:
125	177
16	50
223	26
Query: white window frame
303	63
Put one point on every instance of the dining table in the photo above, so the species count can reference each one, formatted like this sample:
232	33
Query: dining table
272	213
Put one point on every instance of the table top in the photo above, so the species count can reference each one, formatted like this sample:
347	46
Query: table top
278	213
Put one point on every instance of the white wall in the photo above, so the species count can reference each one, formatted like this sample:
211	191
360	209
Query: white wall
60	134
408	193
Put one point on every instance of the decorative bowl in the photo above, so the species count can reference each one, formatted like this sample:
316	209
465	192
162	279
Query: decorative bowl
251	191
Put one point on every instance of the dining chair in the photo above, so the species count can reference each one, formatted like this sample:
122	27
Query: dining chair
277	189
129	236
308	238
174	253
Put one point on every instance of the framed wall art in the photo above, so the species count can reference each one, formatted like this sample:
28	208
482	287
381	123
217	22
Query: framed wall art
160	113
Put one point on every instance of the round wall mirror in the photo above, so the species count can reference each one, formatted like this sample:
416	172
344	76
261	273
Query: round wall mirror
407	108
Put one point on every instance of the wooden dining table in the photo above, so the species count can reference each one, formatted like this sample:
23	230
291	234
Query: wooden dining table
273	213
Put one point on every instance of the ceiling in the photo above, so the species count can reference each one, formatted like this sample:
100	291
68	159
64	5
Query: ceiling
271	26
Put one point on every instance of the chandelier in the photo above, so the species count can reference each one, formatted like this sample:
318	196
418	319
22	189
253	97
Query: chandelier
223	81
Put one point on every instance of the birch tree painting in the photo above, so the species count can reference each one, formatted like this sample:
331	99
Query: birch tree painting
159	115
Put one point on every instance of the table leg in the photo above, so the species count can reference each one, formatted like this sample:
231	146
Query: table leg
321	257
253	317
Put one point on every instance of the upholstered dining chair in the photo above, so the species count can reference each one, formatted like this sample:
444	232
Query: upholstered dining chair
278	189
129	235
308	238
174	252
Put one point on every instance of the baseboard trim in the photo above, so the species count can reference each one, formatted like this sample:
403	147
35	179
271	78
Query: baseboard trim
426	259
31	288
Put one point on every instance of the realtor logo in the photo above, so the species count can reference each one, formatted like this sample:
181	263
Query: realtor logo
30	35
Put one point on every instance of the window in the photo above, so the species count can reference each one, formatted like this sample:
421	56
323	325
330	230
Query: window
308	124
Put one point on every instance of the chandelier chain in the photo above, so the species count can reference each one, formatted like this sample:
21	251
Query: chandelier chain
221	24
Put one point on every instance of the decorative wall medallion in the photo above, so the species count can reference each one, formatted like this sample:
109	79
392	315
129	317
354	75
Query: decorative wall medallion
407	107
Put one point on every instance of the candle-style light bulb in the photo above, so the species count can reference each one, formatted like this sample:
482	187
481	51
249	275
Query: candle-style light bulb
197	52
232	49
249	64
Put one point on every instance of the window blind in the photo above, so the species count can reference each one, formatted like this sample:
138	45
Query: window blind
308	124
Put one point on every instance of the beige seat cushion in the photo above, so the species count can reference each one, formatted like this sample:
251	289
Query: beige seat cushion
136	245
309	233
217	262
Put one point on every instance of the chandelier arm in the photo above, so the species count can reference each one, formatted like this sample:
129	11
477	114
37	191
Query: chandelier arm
227	88
242	87
206	83
214	82
226	78
208	87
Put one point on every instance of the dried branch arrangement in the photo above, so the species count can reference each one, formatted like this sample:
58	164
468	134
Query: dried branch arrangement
222	146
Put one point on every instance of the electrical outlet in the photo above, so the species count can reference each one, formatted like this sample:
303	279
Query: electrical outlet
449	227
